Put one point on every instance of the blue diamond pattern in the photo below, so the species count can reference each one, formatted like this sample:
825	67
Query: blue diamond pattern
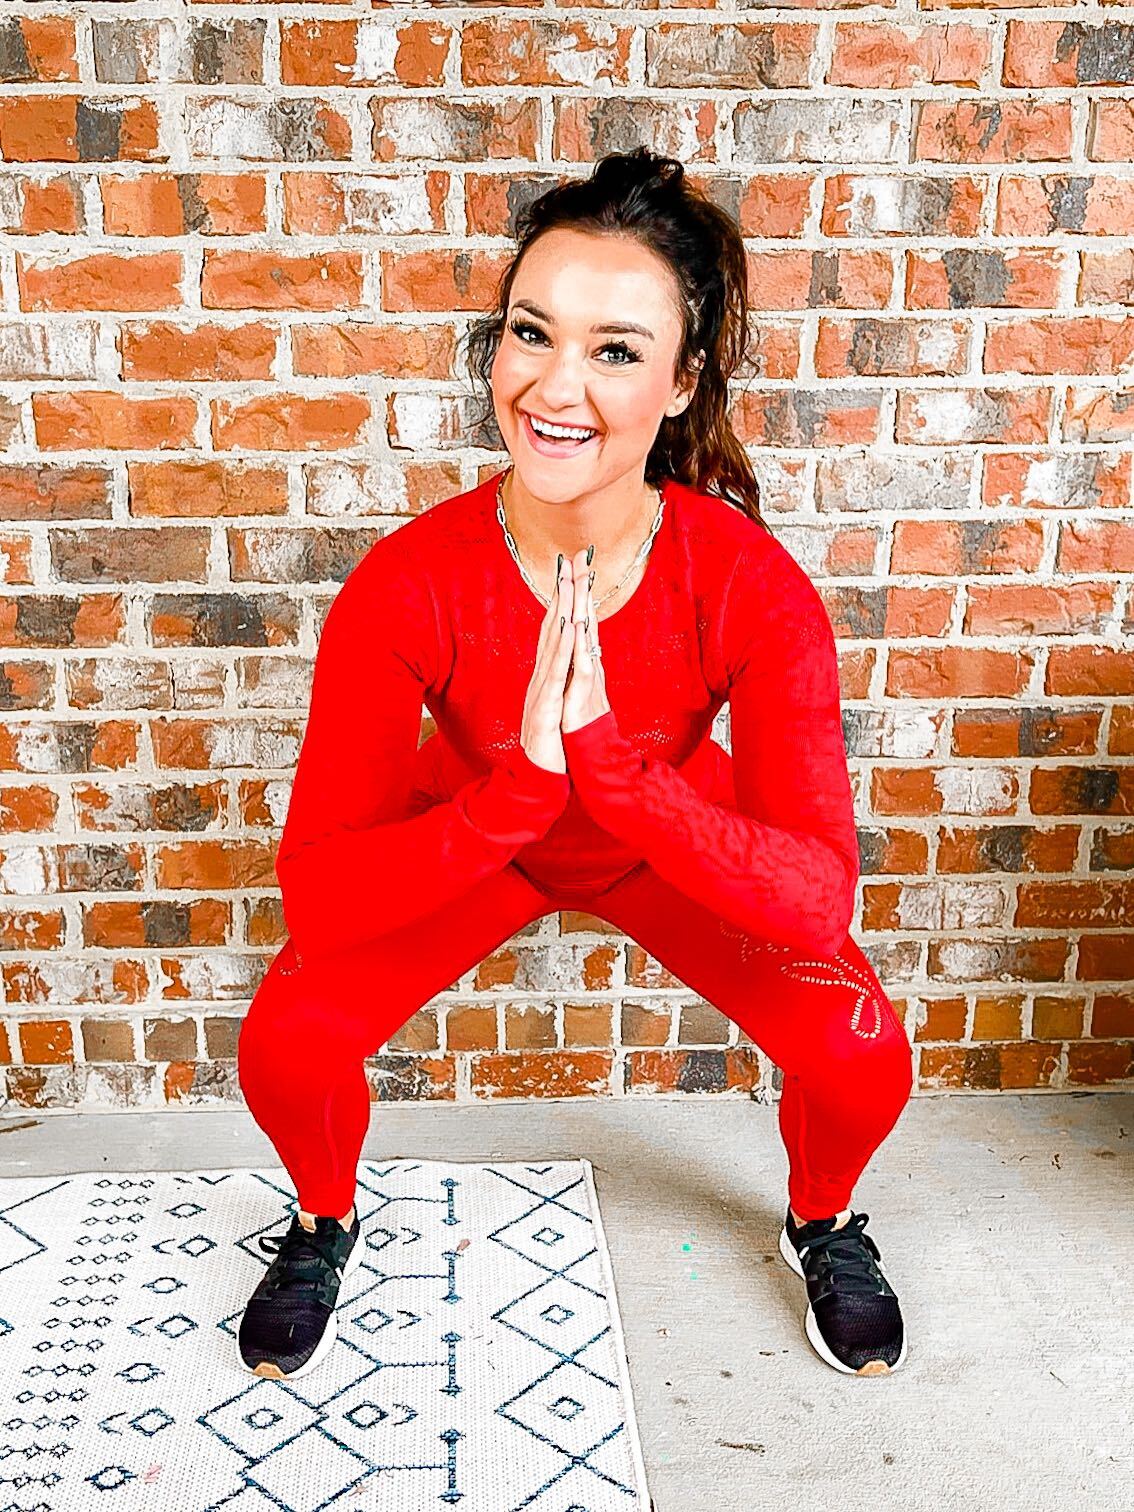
475	1354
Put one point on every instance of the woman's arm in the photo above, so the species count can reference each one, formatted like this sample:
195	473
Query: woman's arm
351	867
784	865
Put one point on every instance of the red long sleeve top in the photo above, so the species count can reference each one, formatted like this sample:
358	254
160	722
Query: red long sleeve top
380	832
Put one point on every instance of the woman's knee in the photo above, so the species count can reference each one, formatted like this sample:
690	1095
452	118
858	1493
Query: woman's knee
291	1022
852	1037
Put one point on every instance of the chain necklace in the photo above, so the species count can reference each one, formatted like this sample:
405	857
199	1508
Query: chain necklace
643	550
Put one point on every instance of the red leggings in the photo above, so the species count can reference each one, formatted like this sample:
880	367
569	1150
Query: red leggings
827	1024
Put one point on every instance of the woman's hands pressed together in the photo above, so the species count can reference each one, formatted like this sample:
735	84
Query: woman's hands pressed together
585	696
567	687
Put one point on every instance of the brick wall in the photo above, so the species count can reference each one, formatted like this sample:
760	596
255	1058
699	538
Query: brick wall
239	252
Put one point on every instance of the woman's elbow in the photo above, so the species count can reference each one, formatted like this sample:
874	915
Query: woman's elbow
830	938
831	941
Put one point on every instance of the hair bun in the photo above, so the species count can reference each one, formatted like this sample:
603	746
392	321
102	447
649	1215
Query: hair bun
641	168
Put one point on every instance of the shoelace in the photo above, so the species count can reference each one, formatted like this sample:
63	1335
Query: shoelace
302	1262
841	1259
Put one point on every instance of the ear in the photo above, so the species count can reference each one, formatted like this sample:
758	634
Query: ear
685	393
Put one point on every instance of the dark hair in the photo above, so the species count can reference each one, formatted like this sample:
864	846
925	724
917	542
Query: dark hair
648	197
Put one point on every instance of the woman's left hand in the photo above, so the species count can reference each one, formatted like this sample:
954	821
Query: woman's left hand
584	697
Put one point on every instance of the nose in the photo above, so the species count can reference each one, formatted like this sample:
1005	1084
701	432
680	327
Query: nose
563	384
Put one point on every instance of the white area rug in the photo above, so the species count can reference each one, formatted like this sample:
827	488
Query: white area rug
479	1363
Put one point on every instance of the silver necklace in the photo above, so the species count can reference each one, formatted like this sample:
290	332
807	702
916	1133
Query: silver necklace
643	550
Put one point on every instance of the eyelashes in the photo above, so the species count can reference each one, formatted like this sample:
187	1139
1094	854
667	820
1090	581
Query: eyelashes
518	326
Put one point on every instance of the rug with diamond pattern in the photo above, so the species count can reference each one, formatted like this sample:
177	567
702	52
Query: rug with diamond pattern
479	1364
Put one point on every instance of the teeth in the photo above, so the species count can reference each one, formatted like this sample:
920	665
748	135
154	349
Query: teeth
558	432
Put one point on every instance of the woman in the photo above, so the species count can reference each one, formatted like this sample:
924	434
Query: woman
574	624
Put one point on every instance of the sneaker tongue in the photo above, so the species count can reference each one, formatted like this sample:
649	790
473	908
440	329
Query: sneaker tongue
306	1268
848	1266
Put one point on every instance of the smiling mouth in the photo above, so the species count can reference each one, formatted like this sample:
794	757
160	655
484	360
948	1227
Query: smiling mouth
564	424
554	445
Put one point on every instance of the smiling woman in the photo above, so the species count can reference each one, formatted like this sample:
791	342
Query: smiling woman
402	867
564	391
606	361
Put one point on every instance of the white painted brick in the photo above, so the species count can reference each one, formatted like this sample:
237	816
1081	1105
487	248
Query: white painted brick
347	489
975	790
52	348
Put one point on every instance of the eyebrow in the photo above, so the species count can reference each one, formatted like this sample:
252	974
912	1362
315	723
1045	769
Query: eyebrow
615	326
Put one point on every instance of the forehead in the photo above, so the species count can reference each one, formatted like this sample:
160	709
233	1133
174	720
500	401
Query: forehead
585	277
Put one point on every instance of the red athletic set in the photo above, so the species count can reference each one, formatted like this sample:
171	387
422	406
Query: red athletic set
401	866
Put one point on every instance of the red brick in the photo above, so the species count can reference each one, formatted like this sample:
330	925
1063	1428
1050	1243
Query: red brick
1091	1064
102	281
270	281
161	352
668	1071
947	672
1079	609
206	488
532	1073
1095	546
1112	1016
1084	671
956	548
991	131
92	420
45	128
326	52
351	351
172	204
46	1041
49	42
289	422
1105	958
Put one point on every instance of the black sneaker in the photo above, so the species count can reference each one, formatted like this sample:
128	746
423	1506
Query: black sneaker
288	1326
853	1318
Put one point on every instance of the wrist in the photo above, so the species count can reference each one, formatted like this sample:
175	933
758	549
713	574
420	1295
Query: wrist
598	724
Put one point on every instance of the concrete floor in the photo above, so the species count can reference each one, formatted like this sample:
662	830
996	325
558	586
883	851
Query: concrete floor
1004	1224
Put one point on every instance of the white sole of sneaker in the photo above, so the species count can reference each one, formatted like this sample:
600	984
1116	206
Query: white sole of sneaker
811	1327
271	1372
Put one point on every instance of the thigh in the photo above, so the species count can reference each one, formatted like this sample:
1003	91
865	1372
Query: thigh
796	1006
361	997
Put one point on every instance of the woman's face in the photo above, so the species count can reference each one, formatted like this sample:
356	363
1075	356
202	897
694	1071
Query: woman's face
555	361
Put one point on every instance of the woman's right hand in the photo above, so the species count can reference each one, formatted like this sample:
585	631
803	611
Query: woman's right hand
540	733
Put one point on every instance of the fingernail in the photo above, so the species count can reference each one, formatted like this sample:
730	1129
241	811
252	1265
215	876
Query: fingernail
591	579
590	554
559	565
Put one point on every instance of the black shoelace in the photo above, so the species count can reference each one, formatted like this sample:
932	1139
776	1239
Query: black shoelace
304	1262
840	1260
